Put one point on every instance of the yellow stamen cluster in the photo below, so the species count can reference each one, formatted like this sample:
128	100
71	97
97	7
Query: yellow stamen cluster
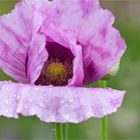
56	73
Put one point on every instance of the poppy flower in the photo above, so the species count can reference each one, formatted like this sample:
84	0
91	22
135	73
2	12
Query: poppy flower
52	49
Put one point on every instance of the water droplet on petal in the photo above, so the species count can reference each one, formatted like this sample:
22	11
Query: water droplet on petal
14	95
84	104
25	90
6	102
97	102
28	95
45	95
71	100
109	100
62	92
18	96
62	101
66	116
36	88
89	113
25	106
42	105
6	111
104	110
31	100
114	109
66	106
76	96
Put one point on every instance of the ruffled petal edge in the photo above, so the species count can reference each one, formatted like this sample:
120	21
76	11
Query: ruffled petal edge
58	104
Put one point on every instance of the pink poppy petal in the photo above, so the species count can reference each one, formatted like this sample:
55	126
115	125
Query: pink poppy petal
37	55
9	102
66	14
58	104
102	45
15	35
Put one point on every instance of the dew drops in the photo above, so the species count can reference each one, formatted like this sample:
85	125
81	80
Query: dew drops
109	100
45	95
71	100
14	95
62	92
18	96
114	110
69	92
98	93
36	88
104	110
62	101
28	95
84	104
76	96
66	116
89	113
66	106
25	106
116	101
25	90
31	100
6	111
42	105
6	102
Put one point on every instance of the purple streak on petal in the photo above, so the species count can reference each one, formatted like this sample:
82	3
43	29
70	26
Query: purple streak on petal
14	41
102	45
88	6
58	104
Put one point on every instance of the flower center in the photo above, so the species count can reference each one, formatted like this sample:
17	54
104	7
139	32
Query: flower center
56	73
58	69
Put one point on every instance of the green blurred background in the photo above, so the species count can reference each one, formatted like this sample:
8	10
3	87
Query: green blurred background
123	125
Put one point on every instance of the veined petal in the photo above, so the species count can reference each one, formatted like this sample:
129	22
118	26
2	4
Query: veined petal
15	35
37	55
18	32
102	45
67	15
58	104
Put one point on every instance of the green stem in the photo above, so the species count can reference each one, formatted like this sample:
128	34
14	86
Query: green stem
65	131
59	131
104	128
103	84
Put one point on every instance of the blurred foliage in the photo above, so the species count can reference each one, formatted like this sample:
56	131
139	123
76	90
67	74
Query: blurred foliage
123	125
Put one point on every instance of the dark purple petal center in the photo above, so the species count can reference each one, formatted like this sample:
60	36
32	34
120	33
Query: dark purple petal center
58	69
